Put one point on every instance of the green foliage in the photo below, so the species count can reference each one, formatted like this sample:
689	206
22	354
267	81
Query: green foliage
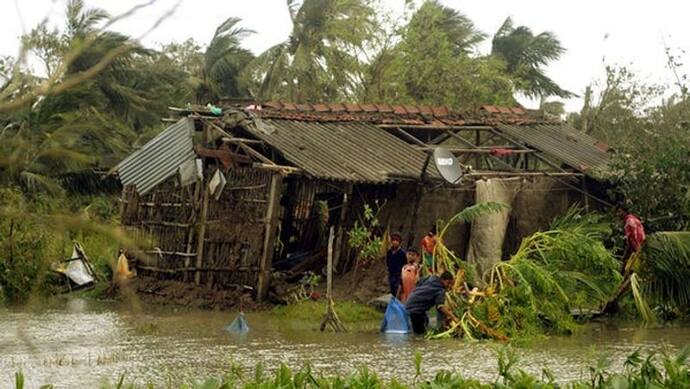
552	273
320	59
25	247
363	235
525	54
432	64
35	234
446	258
664	269
647	130
653	177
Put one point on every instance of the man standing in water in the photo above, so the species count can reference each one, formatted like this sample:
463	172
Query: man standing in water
395	260
429	293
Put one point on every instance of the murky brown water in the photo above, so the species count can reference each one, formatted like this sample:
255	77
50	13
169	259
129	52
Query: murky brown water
83	343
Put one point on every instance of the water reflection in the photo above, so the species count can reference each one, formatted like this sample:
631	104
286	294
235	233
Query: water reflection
80	343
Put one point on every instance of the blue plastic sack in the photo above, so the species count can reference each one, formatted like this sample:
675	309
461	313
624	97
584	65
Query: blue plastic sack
396	319
238	326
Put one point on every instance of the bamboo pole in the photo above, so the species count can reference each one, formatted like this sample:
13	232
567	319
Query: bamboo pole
331	317
341	225
202	234
269	237
329	269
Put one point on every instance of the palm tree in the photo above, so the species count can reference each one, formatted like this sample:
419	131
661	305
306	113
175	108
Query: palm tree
460	31
319	60
88	124
223	62
525	55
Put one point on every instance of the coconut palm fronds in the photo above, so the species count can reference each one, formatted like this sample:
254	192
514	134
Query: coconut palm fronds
664	268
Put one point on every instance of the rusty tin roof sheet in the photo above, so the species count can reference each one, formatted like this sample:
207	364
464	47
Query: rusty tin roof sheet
577	149
344	151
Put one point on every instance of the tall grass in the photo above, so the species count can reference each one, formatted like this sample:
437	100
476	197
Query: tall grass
35	234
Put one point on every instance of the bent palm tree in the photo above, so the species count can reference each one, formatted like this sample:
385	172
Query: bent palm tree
319	60
224	61
525	55
458	28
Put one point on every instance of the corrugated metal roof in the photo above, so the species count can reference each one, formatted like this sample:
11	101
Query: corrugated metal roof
577	149
344	151
159	158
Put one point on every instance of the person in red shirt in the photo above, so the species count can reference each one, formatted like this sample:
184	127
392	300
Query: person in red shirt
634	232
410	274
428	245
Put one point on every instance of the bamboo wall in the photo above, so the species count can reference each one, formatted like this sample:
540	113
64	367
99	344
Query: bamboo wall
169	222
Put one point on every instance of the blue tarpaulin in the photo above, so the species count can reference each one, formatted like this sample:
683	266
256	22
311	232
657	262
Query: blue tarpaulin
396	320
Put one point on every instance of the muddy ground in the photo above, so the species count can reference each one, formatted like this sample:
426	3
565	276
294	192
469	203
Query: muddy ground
360	285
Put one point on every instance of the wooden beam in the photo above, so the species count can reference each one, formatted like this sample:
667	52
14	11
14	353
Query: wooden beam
278	168
266	260
520	145
242	140
434	127
478	150
521	174
256	154
410	137
554	165
469	144
216	127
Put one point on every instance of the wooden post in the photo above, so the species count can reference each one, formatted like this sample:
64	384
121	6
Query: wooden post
329	266
271	221
339	240
202	233
190	232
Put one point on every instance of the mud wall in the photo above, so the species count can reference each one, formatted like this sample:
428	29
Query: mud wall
537	202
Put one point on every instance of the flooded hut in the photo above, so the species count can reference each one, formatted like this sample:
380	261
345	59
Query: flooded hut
224	197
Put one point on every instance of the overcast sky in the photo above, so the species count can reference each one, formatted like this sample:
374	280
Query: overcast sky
629	32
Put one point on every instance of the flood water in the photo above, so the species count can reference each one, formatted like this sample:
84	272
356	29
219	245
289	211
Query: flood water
83	344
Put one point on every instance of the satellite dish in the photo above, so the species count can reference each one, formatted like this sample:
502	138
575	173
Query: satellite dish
447	165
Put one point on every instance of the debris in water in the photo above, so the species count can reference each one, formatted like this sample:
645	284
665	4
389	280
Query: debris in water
239	325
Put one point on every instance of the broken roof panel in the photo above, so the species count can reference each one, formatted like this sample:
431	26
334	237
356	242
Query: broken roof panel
575	148
343	151
159	158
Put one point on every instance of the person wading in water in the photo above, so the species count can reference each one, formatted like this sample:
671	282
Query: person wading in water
410	275
429	293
